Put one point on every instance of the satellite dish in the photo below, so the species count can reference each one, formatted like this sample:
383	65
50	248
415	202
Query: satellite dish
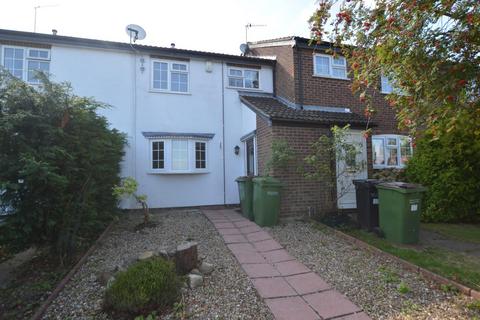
135	32
244	48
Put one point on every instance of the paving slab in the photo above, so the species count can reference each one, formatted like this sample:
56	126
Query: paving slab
273	288
329	304
291	308
290	289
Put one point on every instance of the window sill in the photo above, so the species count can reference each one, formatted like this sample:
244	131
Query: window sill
244	89
178	172
329	77
170	92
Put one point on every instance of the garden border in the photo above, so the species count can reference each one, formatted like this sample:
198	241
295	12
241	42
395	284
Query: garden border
39	313
407	265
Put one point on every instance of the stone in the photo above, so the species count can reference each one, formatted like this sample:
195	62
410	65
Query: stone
196	271
186	257
163	254
145	255
206	268
104	277
195	281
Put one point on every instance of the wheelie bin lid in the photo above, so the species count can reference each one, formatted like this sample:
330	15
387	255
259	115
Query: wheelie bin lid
361	182
402	187
244	178
267	181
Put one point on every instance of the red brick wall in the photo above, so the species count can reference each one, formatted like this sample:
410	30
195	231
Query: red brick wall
300	196
284	71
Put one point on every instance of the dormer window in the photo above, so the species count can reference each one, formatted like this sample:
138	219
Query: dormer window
330	66
243	78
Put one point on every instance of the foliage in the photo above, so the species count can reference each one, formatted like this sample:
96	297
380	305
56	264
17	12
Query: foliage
147	286
281	155
128	188
334	157
453	265
58	164
389	174
403	288
450	168
428	48
458	232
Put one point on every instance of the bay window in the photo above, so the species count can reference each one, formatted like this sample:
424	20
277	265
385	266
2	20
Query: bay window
178	153
24	63
391	151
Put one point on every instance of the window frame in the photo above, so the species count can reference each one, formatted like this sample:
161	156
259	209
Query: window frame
168	156
26	59
331	66
170	70
195	154
386	147
242	77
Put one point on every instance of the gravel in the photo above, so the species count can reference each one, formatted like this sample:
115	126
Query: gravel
226	293
370	280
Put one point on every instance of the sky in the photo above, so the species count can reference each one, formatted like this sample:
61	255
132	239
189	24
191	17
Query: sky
207	25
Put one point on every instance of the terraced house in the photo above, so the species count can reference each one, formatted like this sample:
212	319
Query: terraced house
197	120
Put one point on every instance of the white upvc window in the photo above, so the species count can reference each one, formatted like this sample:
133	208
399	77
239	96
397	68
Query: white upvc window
243	78
178	155
24	63
330	66
170	76
391	151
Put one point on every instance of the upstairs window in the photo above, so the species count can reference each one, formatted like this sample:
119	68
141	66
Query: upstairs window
170	76
243	78
330	66
24	63
391	151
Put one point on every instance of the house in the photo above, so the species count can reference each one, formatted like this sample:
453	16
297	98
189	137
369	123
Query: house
312	93
188	132
197	120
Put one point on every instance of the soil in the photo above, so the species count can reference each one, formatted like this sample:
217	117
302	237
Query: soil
434	239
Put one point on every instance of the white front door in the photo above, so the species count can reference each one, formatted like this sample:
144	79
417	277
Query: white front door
346	198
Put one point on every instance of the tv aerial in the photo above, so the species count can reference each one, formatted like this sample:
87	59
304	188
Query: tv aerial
250	25
135	32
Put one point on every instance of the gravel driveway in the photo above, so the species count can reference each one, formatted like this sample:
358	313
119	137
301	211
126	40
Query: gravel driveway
369	280
226	294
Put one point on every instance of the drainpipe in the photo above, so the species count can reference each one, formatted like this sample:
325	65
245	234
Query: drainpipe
134	114
223	135
299	77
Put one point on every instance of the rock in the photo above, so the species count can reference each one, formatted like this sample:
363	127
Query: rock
186	257
163	254
206	268
196	271
145	255
104	277
195	281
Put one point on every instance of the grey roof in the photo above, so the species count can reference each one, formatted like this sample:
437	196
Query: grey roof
273	109
153	135
42	38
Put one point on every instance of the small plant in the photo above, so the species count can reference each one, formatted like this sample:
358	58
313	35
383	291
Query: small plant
403	288
281	155
179	310
449	288
389	276
128	188
151	316
147	286
474	306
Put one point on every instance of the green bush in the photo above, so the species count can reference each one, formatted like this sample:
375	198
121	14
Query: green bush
147	286
59	161
450	168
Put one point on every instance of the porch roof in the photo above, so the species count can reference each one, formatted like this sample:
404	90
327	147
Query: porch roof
273	109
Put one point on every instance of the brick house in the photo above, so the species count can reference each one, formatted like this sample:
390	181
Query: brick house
311	94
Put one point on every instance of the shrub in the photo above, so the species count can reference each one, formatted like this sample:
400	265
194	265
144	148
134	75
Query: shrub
147	286
450	168
58	165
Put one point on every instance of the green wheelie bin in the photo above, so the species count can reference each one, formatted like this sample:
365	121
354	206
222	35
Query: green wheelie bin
245	190
400	207
266	200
